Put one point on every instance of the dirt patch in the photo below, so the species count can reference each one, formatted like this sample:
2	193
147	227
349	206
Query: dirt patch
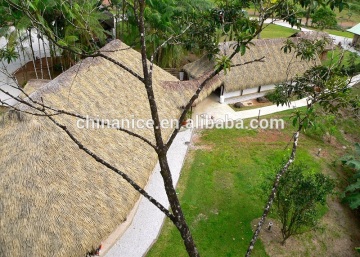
347	24
337	236
266	136
197	143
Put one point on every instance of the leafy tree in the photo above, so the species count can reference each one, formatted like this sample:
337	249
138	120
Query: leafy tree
297	199
324	18
352	192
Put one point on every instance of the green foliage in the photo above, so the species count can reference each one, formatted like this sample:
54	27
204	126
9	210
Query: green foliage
304	117
347	62
352	192
72	25
8	54
297	199
306	49
223	62
352	65
324	18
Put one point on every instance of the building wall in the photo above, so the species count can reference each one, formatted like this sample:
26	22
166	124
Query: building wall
356	40
248	91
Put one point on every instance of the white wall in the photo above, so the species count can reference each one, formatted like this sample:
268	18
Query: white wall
232	94
248	91
267	87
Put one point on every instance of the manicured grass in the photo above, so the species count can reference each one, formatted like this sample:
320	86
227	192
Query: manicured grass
221	189
276	31
339	33
334	56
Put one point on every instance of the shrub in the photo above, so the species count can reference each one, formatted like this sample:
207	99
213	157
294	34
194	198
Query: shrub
324	18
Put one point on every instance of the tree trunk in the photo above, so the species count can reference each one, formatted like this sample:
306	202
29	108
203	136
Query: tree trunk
180	221
51	49
33	53
307	16
45	55
181	224
41	66
21	51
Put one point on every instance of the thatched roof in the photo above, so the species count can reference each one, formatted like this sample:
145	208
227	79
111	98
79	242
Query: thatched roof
56	200
277	66
185	89
312	35
316	35
32	85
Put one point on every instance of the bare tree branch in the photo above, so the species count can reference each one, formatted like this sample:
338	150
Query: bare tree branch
111	167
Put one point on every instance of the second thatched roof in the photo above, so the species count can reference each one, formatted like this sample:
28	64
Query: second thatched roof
277	66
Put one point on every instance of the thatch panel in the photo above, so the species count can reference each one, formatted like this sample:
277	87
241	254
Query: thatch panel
32	85
199	67
184	90
57	201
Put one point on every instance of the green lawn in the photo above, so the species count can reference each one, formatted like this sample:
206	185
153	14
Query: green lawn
339	33
334	56
220	188
276	31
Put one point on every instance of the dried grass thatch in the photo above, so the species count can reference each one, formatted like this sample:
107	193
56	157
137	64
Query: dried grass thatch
277	66
56	200
186	89
316	35
32	85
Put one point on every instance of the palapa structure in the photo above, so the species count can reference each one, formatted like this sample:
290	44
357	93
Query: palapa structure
276	67
55	199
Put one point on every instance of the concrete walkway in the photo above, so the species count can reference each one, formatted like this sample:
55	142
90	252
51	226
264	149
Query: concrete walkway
148	219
